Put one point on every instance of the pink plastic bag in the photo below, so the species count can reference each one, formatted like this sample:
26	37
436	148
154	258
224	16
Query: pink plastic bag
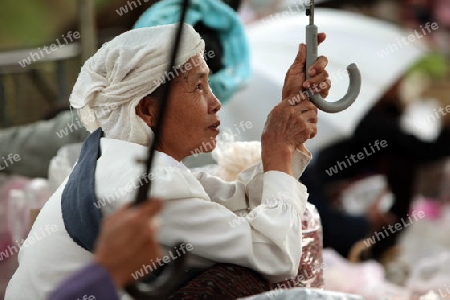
310	270
7	185
8	256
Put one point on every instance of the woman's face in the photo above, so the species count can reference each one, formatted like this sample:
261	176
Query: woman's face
191	123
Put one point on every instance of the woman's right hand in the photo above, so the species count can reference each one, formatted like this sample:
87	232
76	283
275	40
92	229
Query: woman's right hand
128	240
286	129
293	121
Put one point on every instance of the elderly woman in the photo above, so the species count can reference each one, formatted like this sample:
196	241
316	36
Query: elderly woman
254	222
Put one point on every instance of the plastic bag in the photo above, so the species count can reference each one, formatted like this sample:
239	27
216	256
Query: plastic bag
358	197
234	157
310	270
303	293
421	241
8	184
312	248
22	202
61	165
8	256
366	279
431	274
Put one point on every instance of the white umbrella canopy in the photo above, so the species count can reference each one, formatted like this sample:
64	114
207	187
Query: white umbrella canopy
382	52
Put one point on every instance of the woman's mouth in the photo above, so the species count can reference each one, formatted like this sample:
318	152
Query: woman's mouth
215	127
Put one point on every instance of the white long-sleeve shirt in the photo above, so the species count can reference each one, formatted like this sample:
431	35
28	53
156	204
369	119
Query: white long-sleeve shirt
253	222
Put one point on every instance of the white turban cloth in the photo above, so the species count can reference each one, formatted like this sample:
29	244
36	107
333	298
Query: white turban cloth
122	72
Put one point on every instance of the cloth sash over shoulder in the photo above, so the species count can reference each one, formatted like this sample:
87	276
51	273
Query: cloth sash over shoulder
80	214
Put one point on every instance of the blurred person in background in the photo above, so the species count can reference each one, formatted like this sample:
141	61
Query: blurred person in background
398	162
442	17
415	14
219	25
37	143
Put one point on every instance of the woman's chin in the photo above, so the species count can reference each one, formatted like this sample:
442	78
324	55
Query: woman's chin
205	147
209	146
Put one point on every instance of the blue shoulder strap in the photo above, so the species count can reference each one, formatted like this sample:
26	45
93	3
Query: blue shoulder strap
81	217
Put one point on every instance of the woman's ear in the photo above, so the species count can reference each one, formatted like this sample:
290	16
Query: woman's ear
146	110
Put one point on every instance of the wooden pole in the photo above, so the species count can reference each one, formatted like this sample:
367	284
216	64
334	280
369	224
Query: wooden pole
88	31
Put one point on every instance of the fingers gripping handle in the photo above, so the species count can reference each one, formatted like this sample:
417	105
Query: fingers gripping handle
353	72
311	45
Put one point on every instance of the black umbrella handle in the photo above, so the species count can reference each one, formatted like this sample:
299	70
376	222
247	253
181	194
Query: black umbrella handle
164	284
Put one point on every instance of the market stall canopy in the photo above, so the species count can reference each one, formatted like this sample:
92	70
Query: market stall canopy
382	51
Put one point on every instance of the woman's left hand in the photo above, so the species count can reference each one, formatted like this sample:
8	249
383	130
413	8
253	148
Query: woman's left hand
318	83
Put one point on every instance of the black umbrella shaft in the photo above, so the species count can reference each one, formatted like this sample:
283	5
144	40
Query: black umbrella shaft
144	189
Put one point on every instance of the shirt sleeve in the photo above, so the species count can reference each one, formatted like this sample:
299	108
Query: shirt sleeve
267	239
93	282
246	192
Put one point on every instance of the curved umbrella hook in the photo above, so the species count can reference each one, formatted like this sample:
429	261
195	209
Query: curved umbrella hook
311	56
166	282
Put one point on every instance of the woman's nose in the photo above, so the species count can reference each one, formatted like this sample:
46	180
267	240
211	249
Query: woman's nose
215	104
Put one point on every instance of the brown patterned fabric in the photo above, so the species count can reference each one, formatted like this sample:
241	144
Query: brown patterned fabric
223	282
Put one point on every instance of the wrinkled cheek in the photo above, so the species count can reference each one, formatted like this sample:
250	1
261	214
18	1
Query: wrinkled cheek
194	138
205	142
212	142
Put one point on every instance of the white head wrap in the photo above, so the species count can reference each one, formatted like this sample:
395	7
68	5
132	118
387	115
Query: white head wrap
122	72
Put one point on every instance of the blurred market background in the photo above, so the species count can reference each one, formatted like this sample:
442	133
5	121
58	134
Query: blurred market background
39	90
27	94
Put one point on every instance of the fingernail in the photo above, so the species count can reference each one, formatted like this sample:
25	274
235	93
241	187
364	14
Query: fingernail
312	72
306	84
